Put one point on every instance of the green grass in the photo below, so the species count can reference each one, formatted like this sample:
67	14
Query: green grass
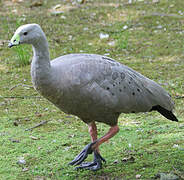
151	44
23	55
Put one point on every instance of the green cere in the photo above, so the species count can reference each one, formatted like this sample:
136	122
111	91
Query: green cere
15	39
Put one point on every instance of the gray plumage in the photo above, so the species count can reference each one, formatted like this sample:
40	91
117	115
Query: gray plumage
90	86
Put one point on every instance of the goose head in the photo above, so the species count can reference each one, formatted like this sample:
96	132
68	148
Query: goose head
27	34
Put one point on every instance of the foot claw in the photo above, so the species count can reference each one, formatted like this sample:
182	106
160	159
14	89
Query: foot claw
85	165
99	156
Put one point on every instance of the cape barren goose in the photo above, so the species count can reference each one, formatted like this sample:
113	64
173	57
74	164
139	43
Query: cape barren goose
92	87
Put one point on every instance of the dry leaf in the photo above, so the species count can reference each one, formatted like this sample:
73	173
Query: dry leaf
33	137
130	159
138	176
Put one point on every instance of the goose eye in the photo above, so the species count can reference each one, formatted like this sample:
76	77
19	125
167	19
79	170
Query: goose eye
25	33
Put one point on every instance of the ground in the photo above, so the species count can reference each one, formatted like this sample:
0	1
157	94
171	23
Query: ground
146	35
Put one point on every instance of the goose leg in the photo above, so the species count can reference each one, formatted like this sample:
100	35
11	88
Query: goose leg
96	163
94	147
93	132
87	150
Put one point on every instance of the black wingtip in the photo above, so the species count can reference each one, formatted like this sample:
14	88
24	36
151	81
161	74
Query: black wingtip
168	114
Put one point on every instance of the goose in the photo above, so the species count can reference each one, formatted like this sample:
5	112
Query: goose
93	87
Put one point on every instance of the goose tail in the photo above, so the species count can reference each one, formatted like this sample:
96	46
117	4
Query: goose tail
166	113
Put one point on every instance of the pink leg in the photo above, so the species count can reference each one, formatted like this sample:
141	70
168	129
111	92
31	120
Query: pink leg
93	132
112	131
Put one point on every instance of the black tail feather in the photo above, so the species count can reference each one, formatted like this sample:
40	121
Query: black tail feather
168	114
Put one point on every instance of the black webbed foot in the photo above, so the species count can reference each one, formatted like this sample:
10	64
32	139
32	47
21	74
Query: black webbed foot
95	165
83	154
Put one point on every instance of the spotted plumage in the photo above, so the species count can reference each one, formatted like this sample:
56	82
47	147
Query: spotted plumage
92	87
